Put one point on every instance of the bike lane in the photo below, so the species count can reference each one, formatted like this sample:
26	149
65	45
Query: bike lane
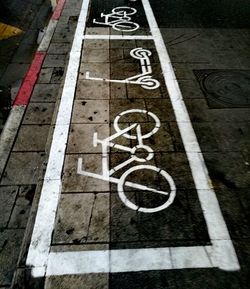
87	224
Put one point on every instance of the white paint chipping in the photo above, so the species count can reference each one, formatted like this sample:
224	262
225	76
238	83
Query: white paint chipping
134	260
119	19
41	238
78	262
127	260
190	257
40	242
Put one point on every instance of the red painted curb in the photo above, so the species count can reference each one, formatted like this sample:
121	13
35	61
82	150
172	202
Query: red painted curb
26	89
30	79
58	11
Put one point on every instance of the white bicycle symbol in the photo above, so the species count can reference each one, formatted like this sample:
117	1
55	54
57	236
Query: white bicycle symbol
119	19
144	78
122	182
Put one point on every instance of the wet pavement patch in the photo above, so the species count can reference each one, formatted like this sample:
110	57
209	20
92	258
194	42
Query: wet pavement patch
225	88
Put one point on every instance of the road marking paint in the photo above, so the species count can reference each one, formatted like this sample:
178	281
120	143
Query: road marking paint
134	260
117	37
119	19
40	242
41	238
209	203
157	124
127	260
30	79
220	254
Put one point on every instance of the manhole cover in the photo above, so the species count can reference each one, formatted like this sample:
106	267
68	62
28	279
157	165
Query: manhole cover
225	88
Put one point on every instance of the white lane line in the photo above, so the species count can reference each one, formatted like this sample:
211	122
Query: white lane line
117	37
215	222
128	260
44	224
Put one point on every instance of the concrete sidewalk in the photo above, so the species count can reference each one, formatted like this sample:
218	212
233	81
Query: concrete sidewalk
107	169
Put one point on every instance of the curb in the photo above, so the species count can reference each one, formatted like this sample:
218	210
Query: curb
22	99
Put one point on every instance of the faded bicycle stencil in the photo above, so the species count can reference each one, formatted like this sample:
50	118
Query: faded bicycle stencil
134	131
144	79
119	19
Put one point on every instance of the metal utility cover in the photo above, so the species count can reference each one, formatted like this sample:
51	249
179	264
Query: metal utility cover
225	88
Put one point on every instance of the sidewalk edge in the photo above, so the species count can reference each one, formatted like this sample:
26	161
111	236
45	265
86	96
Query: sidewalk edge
11	127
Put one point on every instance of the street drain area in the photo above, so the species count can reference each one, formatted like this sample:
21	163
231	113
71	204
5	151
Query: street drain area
225	88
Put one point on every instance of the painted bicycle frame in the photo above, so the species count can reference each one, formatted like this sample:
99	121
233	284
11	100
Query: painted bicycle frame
144	78
107	173
119	19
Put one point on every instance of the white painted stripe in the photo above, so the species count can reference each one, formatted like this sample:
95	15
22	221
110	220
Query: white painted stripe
190	257
118	37
63	263
44	45
215	222
41	238
40	242
223	255
134	260
127	260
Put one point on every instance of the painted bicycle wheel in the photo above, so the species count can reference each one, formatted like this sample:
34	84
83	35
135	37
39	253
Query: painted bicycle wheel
161	199
124	10
140	53
152	116
149	83
125	25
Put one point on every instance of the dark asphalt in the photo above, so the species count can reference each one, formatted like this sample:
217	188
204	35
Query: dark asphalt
16	53
202	14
